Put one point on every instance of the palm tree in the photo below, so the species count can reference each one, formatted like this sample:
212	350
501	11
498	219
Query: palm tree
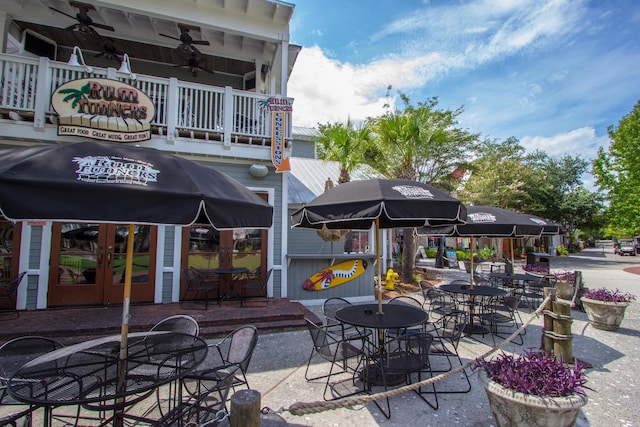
345	143
421	143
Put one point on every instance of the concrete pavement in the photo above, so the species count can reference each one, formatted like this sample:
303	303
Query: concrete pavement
277	369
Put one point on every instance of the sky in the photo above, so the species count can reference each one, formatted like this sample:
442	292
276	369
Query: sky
555	74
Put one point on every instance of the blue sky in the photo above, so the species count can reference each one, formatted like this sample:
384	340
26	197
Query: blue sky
552	73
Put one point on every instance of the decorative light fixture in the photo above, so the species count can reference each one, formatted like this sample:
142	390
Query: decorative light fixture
125	67
258	171
76	59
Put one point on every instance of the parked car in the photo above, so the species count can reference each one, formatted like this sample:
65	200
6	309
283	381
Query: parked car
626	247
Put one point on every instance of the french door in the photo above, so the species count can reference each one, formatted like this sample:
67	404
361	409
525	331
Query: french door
88	264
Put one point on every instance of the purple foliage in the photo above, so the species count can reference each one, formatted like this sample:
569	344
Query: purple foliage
536	268
604	294
536	373
567	276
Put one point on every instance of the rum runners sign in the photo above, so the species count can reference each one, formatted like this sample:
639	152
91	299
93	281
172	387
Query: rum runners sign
103	109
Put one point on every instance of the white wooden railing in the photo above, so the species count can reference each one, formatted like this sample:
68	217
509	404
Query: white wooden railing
202	112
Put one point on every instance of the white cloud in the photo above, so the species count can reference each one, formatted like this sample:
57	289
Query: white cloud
581	142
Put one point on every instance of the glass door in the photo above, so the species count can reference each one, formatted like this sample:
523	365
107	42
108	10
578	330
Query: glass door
88	262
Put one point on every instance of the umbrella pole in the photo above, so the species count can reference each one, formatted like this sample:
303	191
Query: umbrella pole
379	266
471	263
124	331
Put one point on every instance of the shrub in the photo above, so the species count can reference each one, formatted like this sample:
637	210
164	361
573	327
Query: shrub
486	253
607	295
561	250
536	373
463	255
431	253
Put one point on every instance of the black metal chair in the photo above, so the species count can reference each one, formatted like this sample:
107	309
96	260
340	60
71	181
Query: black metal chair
8	291
338	351
438	303
501	316
329	309
234	351
255	287
412	302
13	355
181	323
447	332
406	355
205	401
533	291
199	286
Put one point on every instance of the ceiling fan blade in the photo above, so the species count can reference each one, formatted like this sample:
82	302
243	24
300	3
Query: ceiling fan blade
63	13
171	37
202	42
103	26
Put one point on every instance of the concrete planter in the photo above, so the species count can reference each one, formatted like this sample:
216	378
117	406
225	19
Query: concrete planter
604	315
564	290
512	408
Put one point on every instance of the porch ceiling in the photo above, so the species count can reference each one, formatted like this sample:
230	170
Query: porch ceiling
239	33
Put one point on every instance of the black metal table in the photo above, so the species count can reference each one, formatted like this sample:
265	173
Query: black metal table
231	276
472	293
393	316
91	374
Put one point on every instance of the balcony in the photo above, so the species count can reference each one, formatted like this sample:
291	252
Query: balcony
201	113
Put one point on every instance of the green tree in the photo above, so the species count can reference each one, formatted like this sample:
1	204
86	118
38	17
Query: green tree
499	176
422	143
345	143
617	172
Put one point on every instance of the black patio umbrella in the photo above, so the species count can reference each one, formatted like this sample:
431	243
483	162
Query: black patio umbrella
71	182
488	221
385	203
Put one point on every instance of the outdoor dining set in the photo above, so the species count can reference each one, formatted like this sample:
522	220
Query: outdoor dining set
415	337
169	377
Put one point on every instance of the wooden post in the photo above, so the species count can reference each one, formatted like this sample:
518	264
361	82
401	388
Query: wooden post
547	323
245	409
563	342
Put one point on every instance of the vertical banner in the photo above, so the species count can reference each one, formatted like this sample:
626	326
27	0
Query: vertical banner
279	107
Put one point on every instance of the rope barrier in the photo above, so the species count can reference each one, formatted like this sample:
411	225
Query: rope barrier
305	408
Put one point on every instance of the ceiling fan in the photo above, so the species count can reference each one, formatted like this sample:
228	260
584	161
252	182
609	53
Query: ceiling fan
193	63
187	42
85	24
110	51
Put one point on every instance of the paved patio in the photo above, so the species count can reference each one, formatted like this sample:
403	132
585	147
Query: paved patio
279	361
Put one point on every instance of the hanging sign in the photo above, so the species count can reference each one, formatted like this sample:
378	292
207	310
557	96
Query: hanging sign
103	109
278	108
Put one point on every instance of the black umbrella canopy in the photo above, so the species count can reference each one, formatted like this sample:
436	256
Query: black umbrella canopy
487	221
108	182
396	203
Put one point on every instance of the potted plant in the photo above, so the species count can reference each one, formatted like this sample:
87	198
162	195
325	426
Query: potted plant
605	308
534	389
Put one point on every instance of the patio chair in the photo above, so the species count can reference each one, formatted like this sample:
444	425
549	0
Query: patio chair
233	352
438	303
181	323
338	352
8	291
13	355
199	286
533	290
255	287
412	302
206	399
407	355
447	332
501	315
329	308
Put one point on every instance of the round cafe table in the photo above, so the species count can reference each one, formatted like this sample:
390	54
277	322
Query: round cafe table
472	293
393	316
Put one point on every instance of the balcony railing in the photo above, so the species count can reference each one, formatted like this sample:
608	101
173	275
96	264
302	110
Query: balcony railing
200	112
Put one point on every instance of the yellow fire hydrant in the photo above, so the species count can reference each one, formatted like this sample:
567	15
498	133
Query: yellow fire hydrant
392	276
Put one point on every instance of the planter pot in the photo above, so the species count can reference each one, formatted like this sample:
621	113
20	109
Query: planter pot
603	314
564	290
512	408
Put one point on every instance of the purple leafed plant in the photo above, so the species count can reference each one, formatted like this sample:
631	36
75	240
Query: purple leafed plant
567	276
536	268
607	295
535	373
